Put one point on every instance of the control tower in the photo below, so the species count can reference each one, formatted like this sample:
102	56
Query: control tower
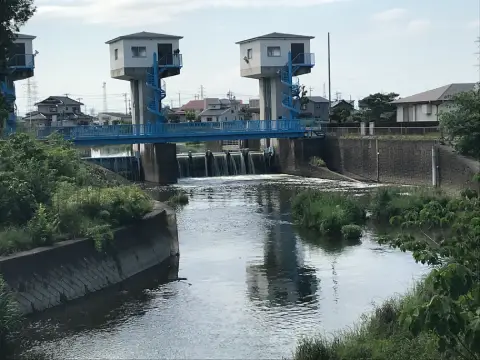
145	59
19	66
276	60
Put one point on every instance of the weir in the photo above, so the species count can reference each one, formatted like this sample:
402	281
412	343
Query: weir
226	163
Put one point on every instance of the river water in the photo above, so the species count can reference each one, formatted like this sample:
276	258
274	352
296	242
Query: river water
255	285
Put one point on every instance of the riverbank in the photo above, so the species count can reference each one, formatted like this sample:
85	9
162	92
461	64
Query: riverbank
68	228
438	319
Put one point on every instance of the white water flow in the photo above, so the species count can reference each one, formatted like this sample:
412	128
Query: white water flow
224	164
206	167
243	168
216	169
251	165
234	165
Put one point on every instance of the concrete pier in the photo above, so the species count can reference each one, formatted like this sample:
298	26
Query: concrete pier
159	163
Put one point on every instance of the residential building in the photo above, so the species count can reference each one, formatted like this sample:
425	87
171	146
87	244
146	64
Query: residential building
221	110
343	104
114	118
59	111
316	108
254	109
428	105
197	106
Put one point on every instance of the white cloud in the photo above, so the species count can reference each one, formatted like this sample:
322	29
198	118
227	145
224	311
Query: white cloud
418	25
390	15
136	12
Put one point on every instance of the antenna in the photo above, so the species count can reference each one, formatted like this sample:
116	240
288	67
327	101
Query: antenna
324	91
29	96
105	106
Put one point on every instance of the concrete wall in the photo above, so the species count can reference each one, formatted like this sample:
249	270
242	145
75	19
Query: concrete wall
47	277
159	163
387	161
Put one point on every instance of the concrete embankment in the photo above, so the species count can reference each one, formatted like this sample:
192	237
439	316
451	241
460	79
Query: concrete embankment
402	161
46	277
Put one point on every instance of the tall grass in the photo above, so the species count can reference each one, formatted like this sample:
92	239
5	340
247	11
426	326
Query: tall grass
327	212
379	335
9	319
388	202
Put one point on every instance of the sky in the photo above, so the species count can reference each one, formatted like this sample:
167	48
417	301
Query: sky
404	46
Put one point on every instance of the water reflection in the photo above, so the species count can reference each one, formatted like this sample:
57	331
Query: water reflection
283	278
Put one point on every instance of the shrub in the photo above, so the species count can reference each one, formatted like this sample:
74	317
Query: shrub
317	162
9	317
326	212
351	232
179	198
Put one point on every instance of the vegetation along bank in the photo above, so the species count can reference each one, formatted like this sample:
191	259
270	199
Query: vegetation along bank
48	195
440	317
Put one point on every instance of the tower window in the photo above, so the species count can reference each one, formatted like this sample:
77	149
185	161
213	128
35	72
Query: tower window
274	51
139	51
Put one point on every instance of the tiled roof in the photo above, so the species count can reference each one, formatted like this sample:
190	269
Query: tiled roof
277	36
145	35
443	93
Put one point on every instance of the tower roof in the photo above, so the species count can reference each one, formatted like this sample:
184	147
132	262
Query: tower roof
145	35
25	36
277	36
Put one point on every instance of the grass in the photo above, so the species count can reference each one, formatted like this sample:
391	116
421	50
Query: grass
351	232
9	319
179	198
378	336
317	162
327	212
388	202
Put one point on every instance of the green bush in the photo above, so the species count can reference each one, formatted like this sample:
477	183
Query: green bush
9	318
388	202
48	194
378	336
326	212
317	162
351	232
179	198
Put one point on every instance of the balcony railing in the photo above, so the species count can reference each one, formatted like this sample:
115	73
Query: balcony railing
22	61
171	61
305	59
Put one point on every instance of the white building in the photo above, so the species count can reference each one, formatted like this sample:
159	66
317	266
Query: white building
217	110
114	118
265	58
131	57
428	105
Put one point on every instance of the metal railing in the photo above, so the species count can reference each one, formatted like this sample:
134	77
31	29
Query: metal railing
171	60
383	131
305	59
22	61
165	130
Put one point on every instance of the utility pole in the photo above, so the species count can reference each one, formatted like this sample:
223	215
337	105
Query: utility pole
67	95
310	89
179	100
129	107
126	102
329	80
105	105
80	100
202	92
338	95
324	91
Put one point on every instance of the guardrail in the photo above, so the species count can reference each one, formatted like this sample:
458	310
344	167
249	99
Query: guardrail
384	131
170	129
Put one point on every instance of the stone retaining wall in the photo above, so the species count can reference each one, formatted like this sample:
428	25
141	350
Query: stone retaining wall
46	277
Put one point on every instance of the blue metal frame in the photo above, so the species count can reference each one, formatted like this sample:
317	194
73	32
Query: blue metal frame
17	62
177	132
154	81
287	75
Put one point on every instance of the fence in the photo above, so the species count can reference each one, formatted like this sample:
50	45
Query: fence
385	131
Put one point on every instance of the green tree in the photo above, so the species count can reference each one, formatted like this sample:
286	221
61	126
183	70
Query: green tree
461	123
13	15
190	115
451	310
340	115
378	106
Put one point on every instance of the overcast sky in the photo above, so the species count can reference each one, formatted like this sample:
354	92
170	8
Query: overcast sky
406	46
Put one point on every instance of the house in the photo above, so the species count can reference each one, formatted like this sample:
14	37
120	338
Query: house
343	104
221	110
61	111
428	105
254	109
114	118
316	108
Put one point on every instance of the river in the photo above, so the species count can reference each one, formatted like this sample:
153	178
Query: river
254	287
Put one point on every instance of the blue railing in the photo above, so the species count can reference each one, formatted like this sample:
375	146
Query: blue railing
175	132
22	61
304	59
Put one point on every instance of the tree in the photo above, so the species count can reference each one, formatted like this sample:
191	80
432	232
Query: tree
449	304
190	115
340	115
378	107
461	123
13	15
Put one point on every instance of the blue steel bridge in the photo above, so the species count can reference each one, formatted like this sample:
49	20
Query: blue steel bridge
159	133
